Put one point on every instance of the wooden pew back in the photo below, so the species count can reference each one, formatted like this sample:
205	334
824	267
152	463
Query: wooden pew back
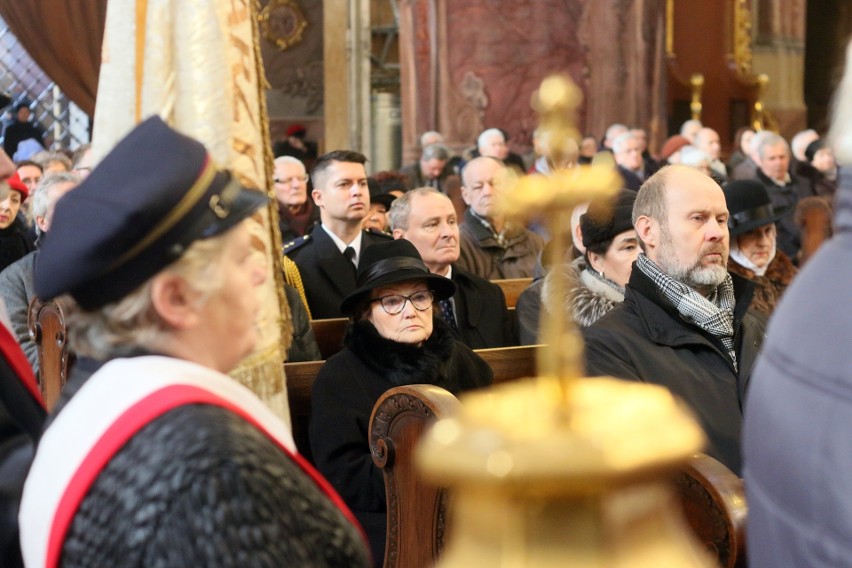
329	335
46	323
416	509
507	363
512	288
712	497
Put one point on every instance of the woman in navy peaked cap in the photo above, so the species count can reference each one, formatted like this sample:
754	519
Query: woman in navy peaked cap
155	457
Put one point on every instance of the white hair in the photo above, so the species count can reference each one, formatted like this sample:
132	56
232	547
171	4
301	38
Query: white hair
44	195
488	135
621	140
289	160
694	157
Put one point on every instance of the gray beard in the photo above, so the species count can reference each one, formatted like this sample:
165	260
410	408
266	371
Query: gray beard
702	278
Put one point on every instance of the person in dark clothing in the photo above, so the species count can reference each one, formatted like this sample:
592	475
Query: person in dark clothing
684	323
754	251
297	146
785	189
21	129
297	214
328	258
154	456
477	311
14	241
393	339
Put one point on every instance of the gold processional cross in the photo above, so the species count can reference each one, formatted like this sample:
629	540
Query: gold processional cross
559	470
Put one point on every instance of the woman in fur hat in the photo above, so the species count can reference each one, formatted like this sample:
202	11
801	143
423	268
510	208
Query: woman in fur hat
754	253
596	280
394	338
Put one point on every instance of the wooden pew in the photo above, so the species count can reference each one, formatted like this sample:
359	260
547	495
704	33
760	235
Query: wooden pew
512	288
46	324
713	500
712	497
416	510
507	363
329	335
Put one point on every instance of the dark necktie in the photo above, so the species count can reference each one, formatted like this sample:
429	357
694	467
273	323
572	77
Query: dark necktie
349	253
447	313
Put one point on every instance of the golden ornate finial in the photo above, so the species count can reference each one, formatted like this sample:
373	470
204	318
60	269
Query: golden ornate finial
553	198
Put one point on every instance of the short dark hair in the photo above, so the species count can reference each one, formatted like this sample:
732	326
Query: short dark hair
326	160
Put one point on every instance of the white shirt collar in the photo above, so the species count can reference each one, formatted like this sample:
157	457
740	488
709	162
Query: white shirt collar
341	246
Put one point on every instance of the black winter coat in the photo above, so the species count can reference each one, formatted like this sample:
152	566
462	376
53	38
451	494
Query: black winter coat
344	393
645	339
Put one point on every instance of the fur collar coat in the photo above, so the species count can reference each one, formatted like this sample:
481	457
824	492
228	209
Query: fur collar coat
769	287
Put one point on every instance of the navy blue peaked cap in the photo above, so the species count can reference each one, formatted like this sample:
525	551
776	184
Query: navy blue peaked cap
148	200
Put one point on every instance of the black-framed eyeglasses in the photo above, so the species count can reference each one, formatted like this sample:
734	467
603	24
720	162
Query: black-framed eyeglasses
395	303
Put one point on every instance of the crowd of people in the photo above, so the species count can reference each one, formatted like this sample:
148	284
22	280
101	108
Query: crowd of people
673	281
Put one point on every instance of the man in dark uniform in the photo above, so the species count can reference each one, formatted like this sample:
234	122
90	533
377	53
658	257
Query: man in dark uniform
477	311
328	258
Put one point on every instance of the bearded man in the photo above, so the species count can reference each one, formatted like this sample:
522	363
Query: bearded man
684	323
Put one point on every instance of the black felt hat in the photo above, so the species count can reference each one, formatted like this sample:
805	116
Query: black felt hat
749	206
149	199
392	262
607	218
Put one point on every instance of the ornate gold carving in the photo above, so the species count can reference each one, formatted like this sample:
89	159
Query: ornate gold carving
742	37
670	28
696	83
283	23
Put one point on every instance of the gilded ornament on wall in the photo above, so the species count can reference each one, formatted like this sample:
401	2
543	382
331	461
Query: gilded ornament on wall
283	23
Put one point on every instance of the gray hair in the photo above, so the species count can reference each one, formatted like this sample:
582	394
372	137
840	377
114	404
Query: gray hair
429	134
615	130
435	152
123	326
621	140
691	123
289	160
44	194
488	135
401	206
694	157
765	139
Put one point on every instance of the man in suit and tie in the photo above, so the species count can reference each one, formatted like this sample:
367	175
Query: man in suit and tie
328	258
477	311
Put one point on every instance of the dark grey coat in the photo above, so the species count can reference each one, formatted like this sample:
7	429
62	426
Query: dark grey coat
645	339
798	430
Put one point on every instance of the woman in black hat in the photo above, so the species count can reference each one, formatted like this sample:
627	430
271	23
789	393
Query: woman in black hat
754	253
596	281
394	338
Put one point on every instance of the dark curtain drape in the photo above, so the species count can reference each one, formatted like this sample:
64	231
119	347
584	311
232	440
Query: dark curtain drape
64	37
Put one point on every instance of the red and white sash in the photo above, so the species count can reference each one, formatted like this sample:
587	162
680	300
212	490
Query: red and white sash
115	403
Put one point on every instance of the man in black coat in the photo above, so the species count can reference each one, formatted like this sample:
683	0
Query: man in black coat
328	258
477	312
785	189
684	322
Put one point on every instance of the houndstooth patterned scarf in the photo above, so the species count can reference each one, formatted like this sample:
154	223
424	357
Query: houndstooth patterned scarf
714	314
